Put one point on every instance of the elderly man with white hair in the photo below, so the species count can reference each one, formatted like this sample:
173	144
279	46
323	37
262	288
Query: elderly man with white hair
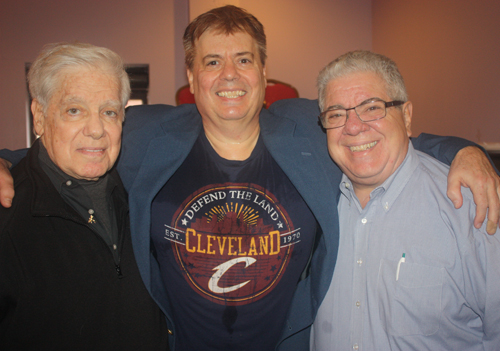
412	273
68	276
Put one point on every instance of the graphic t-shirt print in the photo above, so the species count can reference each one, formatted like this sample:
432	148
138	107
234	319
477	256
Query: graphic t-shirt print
232	241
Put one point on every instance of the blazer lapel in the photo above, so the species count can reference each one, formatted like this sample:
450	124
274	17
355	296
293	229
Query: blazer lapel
163	157
308	166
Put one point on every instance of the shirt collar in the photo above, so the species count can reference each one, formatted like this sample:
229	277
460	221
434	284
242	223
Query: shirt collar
387	192
62	180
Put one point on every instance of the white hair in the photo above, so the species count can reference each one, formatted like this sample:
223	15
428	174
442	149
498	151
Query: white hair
43	76
363	61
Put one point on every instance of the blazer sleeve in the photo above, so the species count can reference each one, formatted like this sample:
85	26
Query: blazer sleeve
13	156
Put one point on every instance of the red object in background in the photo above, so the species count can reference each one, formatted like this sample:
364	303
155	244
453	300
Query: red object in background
275	90
184	96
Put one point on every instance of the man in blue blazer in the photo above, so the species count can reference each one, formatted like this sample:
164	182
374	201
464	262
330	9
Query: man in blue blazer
194	171
234	208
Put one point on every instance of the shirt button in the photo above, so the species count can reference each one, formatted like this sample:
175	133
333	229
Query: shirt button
360	262
364	221
355	347
386	206
114	246
68	183
358	303
347	185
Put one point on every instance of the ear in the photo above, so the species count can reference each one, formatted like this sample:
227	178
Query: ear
190	80
407	115
38	117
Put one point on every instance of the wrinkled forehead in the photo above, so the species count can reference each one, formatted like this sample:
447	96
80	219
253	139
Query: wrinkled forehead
214	40
356	87
78	83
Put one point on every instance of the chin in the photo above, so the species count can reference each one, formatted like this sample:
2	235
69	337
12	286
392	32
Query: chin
94	173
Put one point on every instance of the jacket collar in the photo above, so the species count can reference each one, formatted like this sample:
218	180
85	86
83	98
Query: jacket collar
293	151
46	200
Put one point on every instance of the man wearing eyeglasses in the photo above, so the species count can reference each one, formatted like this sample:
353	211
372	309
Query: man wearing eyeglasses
412	271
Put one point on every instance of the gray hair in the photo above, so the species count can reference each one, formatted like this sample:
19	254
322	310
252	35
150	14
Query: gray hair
44	73
363	61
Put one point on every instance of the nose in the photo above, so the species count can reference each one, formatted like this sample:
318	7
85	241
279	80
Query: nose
94	127
229	71
354	125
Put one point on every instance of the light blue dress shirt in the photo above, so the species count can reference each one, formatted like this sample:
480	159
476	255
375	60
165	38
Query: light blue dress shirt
444	294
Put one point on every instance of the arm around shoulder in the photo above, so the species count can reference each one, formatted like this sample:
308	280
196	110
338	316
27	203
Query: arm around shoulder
470	167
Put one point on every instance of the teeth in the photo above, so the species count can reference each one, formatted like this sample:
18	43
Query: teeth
362	147
231	94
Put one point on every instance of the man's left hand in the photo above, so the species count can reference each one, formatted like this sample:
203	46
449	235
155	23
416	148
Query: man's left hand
472	169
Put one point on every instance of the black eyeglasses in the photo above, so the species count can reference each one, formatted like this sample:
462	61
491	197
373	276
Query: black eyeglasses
367	111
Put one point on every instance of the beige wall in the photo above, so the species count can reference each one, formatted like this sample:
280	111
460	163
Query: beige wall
302	37
142	31
448	50
449	55
301	40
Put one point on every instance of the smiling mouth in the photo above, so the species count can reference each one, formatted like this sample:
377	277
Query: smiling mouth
231	94
90	151
362	147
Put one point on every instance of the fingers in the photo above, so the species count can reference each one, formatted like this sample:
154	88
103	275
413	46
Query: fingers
6	200
487	201
481	208
491	227
6	185
494	210
471	168
454	192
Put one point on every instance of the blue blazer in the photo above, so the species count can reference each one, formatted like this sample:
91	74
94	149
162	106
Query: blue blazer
157	139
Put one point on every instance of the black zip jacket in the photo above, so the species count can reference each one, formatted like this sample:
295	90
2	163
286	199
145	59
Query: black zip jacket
60	288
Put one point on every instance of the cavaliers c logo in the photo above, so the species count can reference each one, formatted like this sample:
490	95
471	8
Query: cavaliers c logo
232	241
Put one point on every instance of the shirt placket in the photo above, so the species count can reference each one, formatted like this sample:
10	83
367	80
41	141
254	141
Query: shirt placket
358	308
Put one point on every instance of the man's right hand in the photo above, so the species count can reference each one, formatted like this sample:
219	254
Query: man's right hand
6	184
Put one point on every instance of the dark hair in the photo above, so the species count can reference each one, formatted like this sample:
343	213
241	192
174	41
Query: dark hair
224	20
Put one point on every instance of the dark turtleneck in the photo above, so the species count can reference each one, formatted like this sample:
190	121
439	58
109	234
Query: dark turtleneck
91	199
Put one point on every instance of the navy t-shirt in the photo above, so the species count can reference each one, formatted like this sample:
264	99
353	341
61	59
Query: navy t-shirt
232	239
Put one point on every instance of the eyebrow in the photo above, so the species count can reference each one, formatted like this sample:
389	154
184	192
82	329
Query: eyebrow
334	107
238	54
76	99
211	56
244	53
73	99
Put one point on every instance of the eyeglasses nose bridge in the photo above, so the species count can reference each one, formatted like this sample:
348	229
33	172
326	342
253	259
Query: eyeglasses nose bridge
355	111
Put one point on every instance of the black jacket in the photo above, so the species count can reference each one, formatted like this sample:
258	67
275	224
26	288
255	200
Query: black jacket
59	286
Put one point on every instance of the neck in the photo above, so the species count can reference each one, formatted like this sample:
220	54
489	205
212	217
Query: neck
232	141
363	194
